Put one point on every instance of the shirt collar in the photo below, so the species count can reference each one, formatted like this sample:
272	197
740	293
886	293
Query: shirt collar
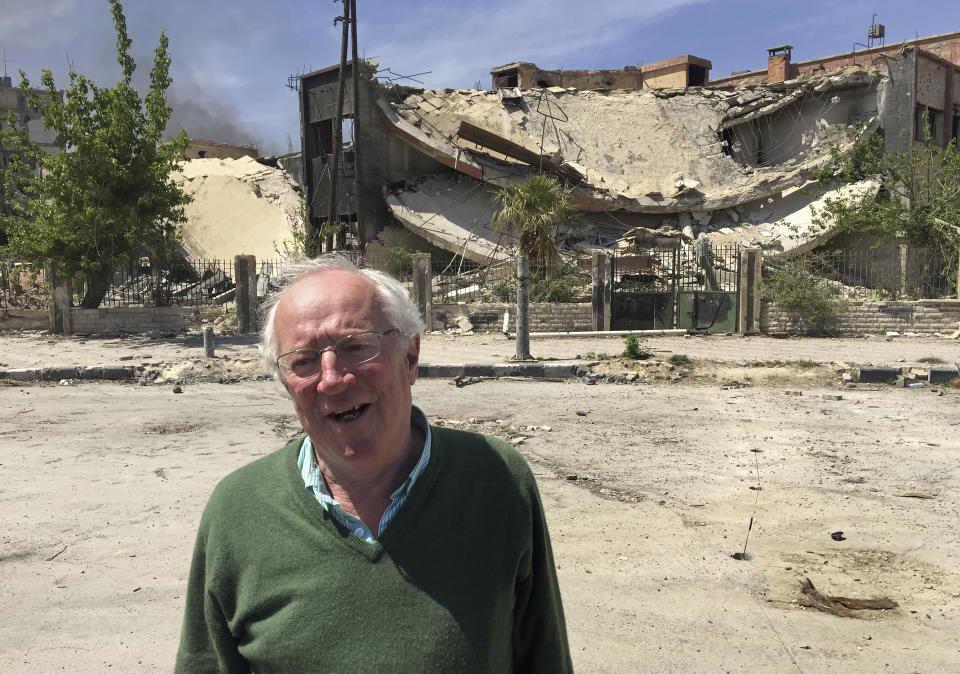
313	478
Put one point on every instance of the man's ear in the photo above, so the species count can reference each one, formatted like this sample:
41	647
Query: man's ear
413	356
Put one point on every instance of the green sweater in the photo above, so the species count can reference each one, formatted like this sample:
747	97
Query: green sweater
462	580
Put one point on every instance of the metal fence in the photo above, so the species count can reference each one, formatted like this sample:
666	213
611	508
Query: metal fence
880	273
22	286
189	283
684	267
459	279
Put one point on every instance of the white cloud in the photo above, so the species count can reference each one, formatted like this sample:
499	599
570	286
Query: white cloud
552	33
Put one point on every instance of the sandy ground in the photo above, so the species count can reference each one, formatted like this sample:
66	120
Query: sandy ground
649	489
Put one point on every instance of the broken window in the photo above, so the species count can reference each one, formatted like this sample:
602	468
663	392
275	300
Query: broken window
508	79
696	76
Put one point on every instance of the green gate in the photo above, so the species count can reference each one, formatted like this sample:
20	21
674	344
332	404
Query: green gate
695	287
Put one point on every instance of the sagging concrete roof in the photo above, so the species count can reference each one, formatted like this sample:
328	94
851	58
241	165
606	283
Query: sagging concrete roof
684	160
655	151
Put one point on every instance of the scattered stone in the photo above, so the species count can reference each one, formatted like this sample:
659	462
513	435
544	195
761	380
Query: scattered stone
832	396
793	393
177	389
581	413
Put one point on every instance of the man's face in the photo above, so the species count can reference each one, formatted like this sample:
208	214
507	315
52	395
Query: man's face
357	416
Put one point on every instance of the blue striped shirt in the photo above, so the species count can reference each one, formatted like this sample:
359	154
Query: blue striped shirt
313	479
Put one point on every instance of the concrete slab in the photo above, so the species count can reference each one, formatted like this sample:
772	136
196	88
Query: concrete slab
942	375
877	375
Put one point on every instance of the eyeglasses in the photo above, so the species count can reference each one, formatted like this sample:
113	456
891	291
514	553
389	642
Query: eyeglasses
352	350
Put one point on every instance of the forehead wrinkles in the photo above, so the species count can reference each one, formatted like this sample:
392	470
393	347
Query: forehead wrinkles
330	304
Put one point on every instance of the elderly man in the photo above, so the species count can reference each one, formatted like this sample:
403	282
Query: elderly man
377	542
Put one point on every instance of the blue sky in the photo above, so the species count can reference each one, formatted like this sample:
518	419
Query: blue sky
231	59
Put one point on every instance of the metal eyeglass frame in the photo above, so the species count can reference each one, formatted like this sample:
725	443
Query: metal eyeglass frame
335	347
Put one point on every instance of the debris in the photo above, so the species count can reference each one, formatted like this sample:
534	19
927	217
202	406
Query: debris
464	324
917	494
56	554
832	396
793	393
177	389
462	381
840	606
838	536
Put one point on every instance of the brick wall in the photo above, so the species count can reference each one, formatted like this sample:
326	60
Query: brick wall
924	317
488	317
25	319
131	319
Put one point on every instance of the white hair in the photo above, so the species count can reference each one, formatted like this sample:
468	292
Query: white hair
395	301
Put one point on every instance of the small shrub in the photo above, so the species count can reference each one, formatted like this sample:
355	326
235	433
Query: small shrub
680	359
560	290
400	262
805	364
634	348
932	360
815	304
505	290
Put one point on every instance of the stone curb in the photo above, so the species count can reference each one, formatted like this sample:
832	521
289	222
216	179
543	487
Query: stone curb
92	372
531	370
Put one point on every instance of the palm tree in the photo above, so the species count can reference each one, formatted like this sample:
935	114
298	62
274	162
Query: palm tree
535	212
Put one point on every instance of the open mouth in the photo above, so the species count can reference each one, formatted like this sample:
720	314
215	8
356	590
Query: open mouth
349	414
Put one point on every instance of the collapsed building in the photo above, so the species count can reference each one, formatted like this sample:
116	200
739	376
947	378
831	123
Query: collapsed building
649	151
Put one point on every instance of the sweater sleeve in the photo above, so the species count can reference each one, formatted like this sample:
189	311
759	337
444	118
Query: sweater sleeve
206	643
539	630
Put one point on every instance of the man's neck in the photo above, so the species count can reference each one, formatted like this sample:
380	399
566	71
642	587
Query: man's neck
366	497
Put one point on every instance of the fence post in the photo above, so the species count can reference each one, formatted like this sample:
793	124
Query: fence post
602	272
751	264
523	310
245	271
423	287
904	268
61	297
958	274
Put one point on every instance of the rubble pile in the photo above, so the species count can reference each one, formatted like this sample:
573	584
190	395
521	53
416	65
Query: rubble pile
734	165
239	207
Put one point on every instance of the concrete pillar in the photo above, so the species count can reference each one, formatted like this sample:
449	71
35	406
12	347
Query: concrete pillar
61	298
904	268
245	273
423	287
751	264
602	272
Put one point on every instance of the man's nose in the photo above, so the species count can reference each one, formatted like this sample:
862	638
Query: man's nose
334	374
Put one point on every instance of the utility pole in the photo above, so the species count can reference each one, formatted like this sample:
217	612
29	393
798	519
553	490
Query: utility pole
333	164
355	75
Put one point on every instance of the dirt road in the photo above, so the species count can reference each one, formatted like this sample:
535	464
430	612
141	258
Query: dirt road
649	489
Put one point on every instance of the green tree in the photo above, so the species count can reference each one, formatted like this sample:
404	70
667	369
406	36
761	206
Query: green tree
107	197
919	200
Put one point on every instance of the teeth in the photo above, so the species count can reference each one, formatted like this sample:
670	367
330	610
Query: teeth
349	414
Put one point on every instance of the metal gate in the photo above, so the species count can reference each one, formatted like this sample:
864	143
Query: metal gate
695	287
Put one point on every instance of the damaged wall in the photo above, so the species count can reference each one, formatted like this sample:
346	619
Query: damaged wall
724	163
